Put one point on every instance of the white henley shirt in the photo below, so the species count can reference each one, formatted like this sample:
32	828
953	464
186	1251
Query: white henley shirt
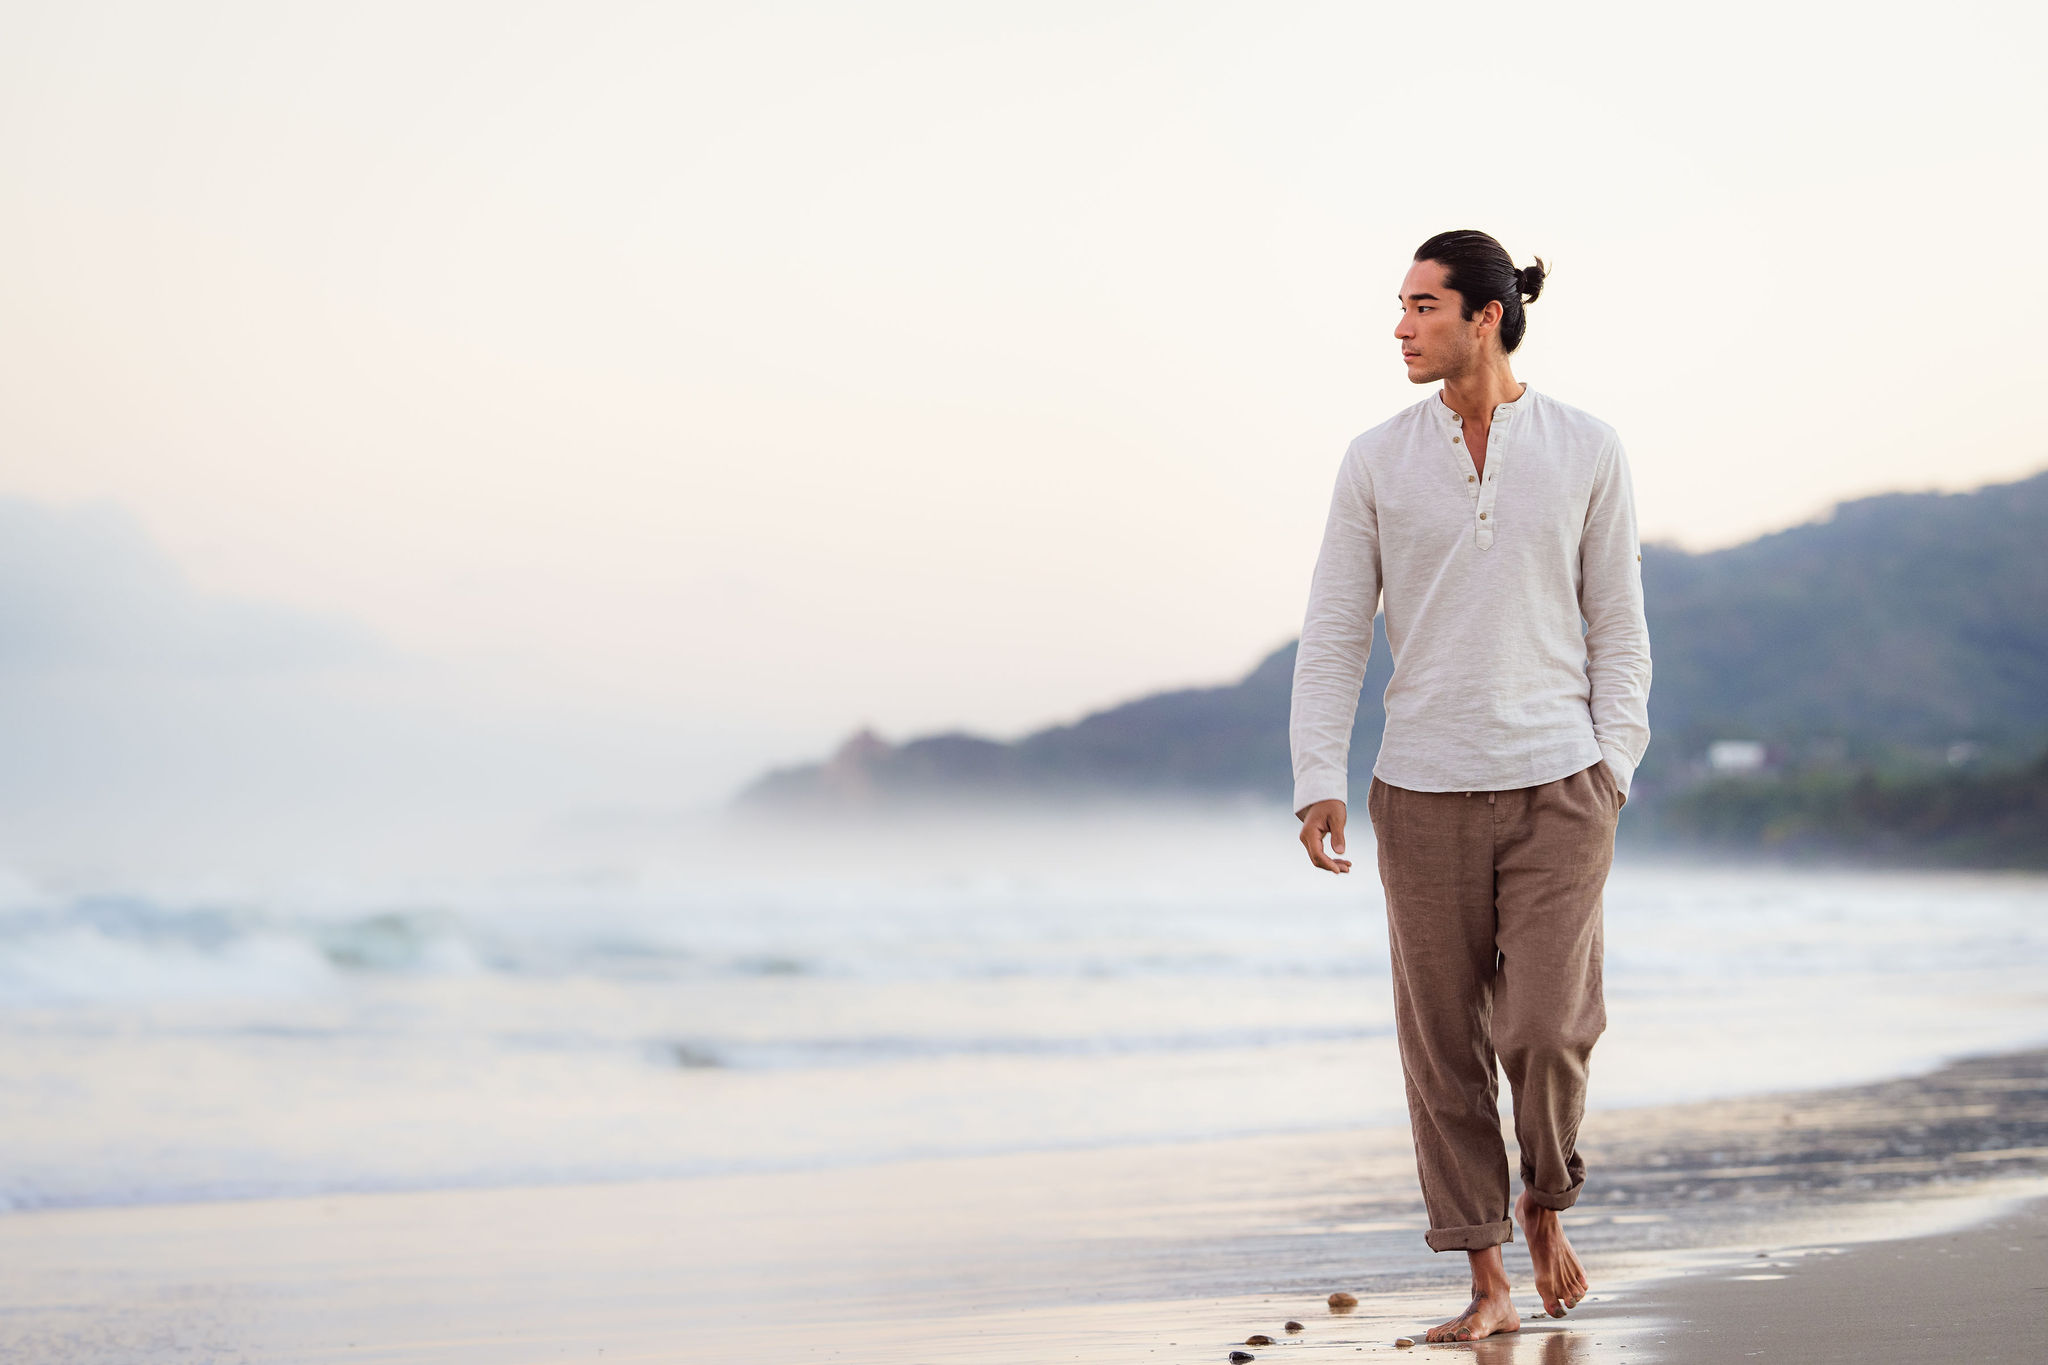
1514	604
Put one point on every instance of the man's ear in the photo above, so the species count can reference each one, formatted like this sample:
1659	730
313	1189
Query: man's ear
1491	315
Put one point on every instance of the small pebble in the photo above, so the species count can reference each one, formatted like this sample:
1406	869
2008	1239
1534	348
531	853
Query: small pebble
1340	1299
1293	1326
1404	1341
1260	1340
1242	1355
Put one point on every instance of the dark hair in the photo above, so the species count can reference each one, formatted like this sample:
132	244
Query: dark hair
1480	269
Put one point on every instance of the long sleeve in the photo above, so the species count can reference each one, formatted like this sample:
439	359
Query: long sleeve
1617	635
1336	639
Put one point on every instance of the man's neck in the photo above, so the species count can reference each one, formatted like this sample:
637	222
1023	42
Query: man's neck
1474	396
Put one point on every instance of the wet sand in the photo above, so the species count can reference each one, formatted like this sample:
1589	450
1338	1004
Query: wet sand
1971	1291
1164	1253
1971	1294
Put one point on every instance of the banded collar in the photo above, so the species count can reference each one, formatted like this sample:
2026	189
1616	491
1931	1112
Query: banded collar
1447	416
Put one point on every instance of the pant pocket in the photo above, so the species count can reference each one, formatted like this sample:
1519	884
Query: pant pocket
1613	783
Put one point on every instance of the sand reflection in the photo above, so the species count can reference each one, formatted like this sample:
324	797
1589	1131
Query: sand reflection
1556	1346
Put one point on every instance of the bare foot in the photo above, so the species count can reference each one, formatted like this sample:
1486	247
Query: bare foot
1489	1313
1560	1279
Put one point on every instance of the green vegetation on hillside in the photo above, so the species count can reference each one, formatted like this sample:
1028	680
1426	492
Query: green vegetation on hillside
1953	819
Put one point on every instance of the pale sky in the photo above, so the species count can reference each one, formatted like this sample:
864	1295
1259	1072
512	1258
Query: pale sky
770	369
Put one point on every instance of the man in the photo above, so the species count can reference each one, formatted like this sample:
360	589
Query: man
1493	518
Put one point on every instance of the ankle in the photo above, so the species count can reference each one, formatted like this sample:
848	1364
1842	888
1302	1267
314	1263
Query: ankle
1489	1275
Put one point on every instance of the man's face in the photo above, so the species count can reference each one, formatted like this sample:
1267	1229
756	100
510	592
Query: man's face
1436	340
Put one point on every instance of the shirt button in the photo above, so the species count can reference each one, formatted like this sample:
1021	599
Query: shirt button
1471	478
1482	516
1457	440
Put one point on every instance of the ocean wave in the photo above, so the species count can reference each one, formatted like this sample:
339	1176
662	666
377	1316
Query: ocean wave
808	1053
110	949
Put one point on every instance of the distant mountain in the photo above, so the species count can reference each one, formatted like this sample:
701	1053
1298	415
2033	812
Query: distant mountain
1901	624
1229	740
1902	632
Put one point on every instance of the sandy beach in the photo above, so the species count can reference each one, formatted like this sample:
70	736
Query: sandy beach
1972	1293
1164	1252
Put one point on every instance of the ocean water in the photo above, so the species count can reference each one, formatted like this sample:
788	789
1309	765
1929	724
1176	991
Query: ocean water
617	1003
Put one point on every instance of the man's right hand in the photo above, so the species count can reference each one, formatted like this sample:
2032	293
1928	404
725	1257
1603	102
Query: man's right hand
1325	818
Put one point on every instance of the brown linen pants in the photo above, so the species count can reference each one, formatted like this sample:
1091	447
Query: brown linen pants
1494	919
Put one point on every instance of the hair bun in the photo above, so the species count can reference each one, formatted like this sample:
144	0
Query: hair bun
1473	265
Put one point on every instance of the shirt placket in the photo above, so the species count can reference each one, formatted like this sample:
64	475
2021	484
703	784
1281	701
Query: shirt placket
1481	488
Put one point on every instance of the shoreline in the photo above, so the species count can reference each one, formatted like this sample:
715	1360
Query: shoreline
1632	1143
1131	1253
1943	1278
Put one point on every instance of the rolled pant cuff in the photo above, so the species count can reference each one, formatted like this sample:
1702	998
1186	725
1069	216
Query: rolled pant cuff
1478	1237
1544	1200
